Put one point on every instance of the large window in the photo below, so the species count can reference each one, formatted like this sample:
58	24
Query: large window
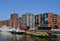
46	21
46	15
36	19
44	28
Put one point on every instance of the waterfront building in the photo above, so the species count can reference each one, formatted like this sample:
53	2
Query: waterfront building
28	20
47	20
14	16
14	21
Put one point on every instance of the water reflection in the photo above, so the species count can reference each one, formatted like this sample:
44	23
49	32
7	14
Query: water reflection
35	39
16	37
6	36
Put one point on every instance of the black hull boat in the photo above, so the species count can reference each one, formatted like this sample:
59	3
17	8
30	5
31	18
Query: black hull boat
13	32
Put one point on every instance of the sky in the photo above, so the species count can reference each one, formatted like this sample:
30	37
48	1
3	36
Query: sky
7	7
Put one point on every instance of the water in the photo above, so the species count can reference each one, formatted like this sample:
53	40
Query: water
6	36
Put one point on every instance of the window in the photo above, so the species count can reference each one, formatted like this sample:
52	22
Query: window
54	22
55	15
55	27
50	25
36	21
46	21
36	17
43	16
46	15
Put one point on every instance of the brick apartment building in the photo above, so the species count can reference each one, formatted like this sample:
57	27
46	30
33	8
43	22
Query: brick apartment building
47	20
14	21
41	20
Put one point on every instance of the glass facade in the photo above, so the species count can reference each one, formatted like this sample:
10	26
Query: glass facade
36	19
44	20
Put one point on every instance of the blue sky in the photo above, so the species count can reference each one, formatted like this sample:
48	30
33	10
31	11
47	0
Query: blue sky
7	7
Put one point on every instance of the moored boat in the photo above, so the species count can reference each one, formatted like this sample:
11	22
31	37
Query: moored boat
29	32
39	35
18	31
55	33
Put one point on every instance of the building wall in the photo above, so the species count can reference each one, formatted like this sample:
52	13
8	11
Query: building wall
53	20
58	21
28	20
14	16
13	22
1	23
50	20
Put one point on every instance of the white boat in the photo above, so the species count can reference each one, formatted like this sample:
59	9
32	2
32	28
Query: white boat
56	32
4	28
12	30
17	31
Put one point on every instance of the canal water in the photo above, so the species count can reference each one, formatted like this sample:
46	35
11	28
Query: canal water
6	36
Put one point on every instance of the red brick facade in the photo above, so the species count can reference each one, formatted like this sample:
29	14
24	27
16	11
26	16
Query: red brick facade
13	22
51	20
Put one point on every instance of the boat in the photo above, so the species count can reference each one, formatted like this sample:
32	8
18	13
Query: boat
55	33
5	28
39	35
28	32
17	31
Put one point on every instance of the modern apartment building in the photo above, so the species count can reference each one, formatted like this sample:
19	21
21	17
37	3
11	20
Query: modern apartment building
28	20
33	21
47	20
